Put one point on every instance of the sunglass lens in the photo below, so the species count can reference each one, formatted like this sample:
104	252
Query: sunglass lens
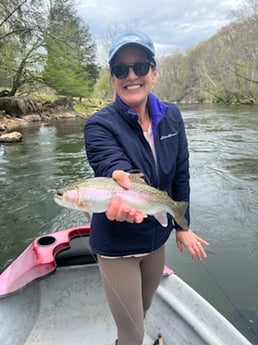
141	68
120	71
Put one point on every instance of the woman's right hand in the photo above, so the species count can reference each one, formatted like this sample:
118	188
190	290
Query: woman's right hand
119	211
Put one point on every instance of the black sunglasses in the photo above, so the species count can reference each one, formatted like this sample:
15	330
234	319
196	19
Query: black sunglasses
139	68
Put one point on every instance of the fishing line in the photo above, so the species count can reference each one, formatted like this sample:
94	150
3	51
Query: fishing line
110	283
222	290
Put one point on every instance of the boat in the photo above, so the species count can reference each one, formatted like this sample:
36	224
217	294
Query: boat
52	295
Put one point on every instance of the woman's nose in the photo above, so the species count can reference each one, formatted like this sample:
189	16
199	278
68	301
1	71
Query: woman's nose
131	74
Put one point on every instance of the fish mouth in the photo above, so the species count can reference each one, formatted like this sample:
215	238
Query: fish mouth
59	193
58	197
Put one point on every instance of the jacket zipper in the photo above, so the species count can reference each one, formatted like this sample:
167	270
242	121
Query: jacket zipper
155	163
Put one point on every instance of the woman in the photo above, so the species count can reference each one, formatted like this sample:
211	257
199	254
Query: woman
136	133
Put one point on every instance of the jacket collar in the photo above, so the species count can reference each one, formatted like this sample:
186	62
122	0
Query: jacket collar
157	110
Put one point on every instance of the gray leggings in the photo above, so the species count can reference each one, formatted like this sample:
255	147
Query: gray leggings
130	284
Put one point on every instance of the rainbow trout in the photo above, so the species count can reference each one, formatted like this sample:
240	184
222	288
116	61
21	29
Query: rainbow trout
93	195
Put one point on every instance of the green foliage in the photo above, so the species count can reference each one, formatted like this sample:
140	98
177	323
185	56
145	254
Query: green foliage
45	42
103	87
70	67
63	72
222	69
90	105
19	46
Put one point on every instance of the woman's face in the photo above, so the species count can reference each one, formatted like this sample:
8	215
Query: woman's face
133	90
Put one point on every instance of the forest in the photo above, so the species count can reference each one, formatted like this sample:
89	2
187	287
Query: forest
45	44
46	47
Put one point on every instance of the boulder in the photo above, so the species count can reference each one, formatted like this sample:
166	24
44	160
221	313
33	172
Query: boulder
12	137
3	128
32	118
10	124
16	106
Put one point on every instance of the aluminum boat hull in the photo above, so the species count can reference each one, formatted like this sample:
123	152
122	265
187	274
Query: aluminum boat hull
68	306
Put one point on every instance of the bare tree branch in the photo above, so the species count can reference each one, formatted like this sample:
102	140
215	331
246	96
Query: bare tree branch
17	31
231	69
11	13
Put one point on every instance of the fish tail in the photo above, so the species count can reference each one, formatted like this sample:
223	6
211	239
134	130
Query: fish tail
180	208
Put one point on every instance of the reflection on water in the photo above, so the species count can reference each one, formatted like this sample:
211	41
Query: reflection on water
223	144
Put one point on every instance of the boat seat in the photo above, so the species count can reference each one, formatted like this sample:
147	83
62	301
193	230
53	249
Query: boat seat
79	253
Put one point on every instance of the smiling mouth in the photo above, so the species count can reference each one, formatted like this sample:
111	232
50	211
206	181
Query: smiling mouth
133	87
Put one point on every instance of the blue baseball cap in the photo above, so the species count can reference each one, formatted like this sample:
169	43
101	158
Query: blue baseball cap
131	38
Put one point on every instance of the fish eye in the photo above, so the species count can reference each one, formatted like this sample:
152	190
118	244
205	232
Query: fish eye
59	193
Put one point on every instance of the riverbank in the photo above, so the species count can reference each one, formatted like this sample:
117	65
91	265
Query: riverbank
10	126
30	112
18	113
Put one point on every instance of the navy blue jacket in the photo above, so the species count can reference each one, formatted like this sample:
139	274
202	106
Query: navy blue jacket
114	141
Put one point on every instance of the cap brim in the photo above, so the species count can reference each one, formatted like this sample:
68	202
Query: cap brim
130	44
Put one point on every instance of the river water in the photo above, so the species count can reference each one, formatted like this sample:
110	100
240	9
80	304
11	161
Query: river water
223	143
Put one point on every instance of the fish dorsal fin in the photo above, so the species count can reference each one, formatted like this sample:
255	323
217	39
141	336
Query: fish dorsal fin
137	177
162	218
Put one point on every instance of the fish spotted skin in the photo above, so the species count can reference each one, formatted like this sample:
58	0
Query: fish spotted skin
93	195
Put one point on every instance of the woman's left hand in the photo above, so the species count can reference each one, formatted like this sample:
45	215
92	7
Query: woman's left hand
119	211
192	242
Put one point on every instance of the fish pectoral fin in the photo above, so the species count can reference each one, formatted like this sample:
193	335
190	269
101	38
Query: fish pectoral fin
88	216
162	218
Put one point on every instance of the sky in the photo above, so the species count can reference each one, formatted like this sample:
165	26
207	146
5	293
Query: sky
172	24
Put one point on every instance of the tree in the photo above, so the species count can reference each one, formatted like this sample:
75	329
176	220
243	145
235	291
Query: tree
247	16
31	33
223	68
22	23
70	67
170	84
10	19
102	88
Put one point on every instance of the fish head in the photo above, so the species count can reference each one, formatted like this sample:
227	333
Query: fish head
71	198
